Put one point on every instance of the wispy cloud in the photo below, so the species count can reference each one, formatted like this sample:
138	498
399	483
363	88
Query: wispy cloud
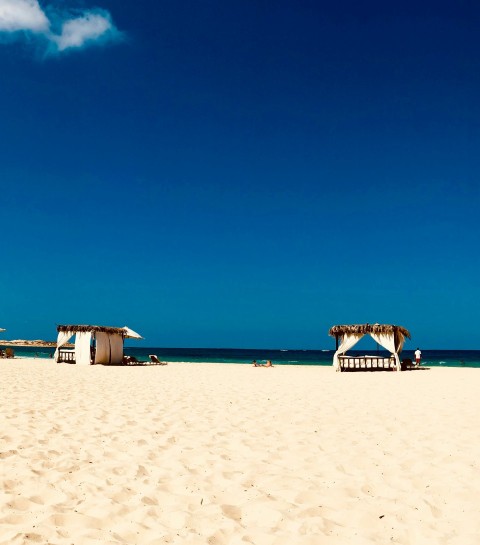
77	32
56	30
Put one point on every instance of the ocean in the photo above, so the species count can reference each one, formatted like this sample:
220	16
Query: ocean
434	358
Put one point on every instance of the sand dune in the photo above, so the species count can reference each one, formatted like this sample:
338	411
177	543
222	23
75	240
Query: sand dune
231	454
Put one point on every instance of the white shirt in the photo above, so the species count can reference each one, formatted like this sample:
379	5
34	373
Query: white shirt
418	354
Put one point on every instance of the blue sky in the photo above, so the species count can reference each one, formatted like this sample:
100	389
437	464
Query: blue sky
240	174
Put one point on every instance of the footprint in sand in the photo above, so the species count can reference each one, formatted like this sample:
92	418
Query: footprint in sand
141	472
20	504
149	501
435	510
36	538
8	453
232	511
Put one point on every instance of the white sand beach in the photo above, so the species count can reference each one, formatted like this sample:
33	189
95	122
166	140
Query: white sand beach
230	454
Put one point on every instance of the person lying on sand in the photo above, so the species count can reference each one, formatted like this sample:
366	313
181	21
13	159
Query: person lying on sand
268	364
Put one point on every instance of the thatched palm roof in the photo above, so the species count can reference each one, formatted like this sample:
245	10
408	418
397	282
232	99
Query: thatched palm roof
339	330
87	328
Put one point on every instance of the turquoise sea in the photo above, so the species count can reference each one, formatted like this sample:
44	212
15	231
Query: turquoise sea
434	358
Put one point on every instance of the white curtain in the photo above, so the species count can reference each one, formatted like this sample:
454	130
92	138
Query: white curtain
348	340
399	343
63	338
82	347
102	352
116	348
387	340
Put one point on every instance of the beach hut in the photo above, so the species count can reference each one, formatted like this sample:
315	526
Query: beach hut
391	337
93	344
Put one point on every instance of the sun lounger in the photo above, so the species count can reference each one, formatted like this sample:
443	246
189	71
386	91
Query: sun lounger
407	364
154	359
130	360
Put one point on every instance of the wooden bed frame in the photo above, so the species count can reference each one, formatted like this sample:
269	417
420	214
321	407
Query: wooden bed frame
66	355
366	363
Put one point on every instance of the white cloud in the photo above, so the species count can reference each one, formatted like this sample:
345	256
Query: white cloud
22	15
61	31
77	32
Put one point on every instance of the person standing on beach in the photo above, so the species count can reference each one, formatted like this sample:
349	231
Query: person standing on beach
418	356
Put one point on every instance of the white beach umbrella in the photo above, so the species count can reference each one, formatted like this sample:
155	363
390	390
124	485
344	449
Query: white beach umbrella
130	334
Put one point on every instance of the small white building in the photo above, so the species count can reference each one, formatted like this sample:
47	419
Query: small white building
93	344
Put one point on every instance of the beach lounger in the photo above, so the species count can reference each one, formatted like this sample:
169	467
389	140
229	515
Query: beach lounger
407	364
154	359
130	360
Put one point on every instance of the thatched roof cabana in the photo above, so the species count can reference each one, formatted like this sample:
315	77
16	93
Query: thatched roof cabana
389	336
363	329
91	328
93	343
